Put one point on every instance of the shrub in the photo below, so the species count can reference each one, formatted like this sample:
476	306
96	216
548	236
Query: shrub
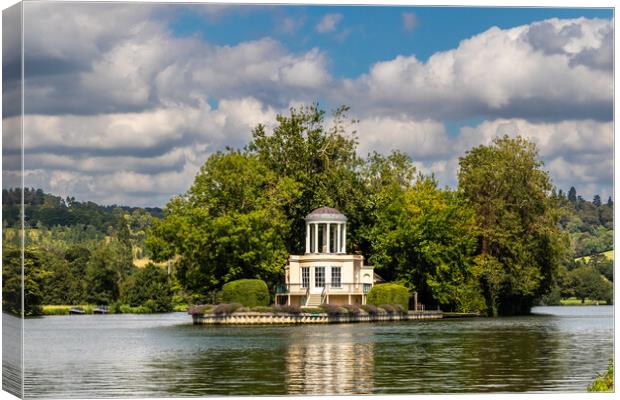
389	293
353	309
262	309
200	309
312	310
248	292
286	309
370	309
226	308
388	308
604	382
331	309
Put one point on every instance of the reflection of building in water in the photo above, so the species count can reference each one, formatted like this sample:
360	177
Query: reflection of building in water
329	362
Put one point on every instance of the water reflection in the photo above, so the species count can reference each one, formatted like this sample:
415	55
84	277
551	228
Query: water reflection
322	362
146	356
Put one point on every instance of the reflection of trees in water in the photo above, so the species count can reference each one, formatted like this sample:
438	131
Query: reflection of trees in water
12	328
472	356
330	361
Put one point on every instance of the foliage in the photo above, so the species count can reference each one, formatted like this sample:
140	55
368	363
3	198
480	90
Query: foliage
370	309
587	283
353	309
286	309
604	382
331	309
225	308
32	281
149	287
425	237
520	243
389	293
249	292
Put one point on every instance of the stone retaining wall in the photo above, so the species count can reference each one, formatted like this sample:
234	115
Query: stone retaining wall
251	318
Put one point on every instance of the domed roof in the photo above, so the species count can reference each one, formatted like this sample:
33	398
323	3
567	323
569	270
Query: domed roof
327	214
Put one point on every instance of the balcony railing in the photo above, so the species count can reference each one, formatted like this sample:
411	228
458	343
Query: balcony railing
343	288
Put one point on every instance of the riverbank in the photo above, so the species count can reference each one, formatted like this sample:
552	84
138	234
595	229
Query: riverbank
90	309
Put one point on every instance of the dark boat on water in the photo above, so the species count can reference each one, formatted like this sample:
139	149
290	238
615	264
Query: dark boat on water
76	311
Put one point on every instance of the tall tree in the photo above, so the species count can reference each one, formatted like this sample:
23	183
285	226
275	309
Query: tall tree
572	194
520	245
597	200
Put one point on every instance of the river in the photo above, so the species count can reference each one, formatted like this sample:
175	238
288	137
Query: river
557	349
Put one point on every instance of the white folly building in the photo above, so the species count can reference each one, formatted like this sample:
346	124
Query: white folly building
326	273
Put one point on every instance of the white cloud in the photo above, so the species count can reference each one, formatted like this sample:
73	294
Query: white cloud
498	73
121	110
328	23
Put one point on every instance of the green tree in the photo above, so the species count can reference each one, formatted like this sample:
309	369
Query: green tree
572	194
425	238
520	244
107	269
589	284
148	287
597	200
33	280
228	225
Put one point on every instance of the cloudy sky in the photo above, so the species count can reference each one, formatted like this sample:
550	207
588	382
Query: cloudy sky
124	102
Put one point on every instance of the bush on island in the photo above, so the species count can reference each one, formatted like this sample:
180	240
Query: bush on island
331	309
389	293
370	309
286	309
353	309
248	292
226	308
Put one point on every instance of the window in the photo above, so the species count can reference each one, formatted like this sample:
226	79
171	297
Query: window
319	276
305	277
336	277
367	287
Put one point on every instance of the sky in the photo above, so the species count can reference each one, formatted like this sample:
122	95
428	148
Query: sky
124	102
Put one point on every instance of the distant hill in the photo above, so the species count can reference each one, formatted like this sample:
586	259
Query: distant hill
608	254
48	210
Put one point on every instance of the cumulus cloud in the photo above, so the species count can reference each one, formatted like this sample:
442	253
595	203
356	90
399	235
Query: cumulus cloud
499	73
119	109
328	23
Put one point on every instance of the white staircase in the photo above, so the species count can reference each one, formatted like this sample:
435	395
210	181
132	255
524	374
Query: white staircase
313	300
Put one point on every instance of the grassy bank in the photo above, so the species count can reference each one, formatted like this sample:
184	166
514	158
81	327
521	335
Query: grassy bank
89	308
604	382
573	301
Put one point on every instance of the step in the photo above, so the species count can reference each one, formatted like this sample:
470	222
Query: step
313	300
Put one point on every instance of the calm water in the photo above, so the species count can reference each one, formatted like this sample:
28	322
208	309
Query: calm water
560	349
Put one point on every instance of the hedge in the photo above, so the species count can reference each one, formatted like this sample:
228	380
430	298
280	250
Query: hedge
389	293
248	292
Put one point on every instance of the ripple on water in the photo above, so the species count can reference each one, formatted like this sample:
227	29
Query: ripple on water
164	355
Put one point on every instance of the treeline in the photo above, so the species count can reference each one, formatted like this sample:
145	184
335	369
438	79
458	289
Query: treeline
46	210
89	273
494	244
590	223
79	253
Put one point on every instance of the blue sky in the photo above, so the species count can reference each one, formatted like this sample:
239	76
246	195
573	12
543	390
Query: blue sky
125	101
376	32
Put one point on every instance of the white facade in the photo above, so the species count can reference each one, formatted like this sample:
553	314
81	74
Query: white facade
326	273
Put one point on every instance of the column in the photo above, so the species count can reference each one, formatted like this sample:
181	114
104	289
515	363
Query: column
307	238
316	238
338	239
327	247
344	238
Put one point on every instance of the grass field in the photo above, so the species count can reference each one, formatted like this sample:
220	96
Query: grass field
573	301
609	254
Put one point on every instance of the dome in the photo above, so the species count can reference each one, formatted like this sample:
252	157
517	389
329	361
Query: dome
326	214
